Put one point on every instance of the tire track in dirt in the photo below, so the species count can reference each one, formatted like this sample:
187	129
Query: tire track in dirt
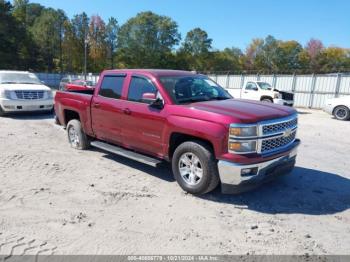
13	244
32	163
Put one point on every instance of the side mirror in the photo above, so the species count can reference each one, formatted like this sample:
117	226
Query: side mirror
158	104
149	97
152	100
255	89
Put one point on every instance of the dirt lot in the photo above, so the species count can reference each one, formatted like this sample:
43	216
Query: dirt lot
54	199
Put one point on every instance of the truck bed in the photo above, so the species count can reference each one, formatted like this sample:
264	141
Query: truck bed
76	101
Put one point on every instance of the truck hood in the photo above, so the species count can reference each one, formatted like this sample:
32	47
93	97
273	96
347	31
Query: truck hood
23	87
245	111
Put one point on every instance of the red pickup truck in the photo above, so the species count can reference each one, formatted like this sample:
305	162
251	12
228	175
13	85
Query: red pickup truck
184	118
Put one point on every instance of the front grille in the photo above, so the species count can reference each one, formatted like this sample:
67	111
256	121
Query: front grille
287	96
272	144
279	127
29	95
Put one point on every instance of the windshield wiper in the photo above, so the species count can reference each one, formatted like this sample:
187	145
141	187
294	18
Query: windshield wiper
219	98
192	100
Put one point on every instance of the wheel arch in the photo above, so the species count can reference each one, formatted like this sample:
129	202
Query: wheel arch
177	138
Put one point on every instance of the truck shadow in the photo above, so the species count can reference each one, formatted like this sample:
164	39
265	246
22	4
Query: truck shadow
163	171
305	191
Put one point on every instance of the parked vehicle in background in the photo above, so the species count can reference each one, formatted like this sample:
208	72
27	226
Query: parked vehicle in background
186	119
23	91
263	91
339	107
64	81
79	84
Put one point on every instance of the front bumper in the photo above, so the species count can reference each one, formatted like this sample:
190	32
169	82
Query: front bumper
283	102
232	181
15	105
328	108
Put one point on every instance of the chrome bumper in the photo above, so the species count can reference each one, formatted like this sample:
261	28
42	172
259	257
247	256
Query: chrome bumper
232	180
283	102
16	105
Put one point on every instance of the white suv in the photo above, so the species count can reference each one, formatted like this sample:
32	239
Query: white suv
23	91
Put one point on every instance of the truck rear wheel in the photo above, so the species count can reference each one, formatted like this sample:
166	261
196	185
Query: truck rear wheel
76	136
195	167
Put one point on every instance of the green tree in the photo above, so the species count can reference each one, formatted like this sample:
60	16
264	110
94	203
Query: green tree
196	50
76	32
197	42
112	29
288	54
47	32
147	40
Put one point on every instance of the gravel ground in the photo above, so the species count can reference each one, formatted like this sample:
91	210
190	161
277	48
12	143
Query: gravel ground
54	199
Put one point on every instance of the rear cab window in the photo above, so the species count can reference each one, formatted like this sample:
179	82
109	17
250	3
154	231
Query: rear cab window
112	86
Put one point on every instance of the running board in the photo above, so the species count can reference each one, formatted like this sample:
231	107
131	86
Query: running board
126	153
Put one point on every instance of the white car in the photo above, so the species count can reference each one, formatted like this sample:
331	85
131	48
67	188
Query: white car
262	91
23	91
339	107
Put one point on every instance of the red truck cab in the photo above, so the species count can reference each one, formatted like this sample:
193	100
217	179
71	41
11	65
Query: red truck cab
186	119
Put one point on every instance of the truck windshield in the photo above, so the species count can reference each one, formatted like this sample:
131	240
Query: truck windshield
264	86
19	78
189	89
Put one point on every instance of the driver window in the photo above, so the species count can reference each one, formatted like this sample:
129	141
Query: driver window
138	87
251	86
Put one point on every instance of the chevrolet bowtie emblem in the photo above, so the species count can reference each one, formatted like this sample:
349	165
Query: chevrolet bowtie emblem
287	133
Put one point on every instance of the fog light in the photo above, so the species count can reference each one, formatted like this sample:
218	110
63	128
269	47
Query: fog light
249	171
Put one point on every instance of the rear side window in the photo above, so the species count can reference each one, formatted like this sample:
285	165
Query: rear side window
112	86
138	87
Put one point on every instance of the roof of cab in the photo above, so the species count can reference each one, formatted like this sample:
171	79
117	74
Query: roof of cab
154	72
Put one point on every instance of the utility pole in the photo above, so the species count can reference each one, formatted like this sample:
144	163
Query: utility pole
85	56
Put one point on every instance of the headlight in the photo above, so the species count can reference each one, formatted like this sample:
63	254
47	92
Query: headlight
277	95
247	131
7	94
49	94
242	146
238	134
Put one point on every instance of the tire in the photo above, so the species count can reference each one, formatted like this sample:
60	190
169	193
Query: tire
190	152
2	112
341	113
267	100
76	136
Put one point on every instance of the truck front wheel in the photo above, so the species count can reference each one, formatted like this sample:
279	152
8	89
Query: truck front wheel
267	100
195	167
76	136
342	113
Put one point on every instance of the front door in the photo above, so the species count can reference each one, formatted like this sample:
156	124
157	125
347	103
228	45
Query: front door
143	125
251	91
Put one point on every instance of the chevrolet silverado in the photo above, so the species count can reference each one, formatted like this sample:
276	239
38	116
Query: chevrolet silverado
186	119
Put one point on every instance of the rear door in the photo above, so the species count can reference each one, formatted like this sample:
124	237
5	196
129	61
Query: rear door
143	125
107	108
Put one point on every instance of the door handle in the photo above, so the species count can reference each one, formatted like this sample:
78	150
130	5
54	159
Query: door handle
127	111
246	92
97	105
